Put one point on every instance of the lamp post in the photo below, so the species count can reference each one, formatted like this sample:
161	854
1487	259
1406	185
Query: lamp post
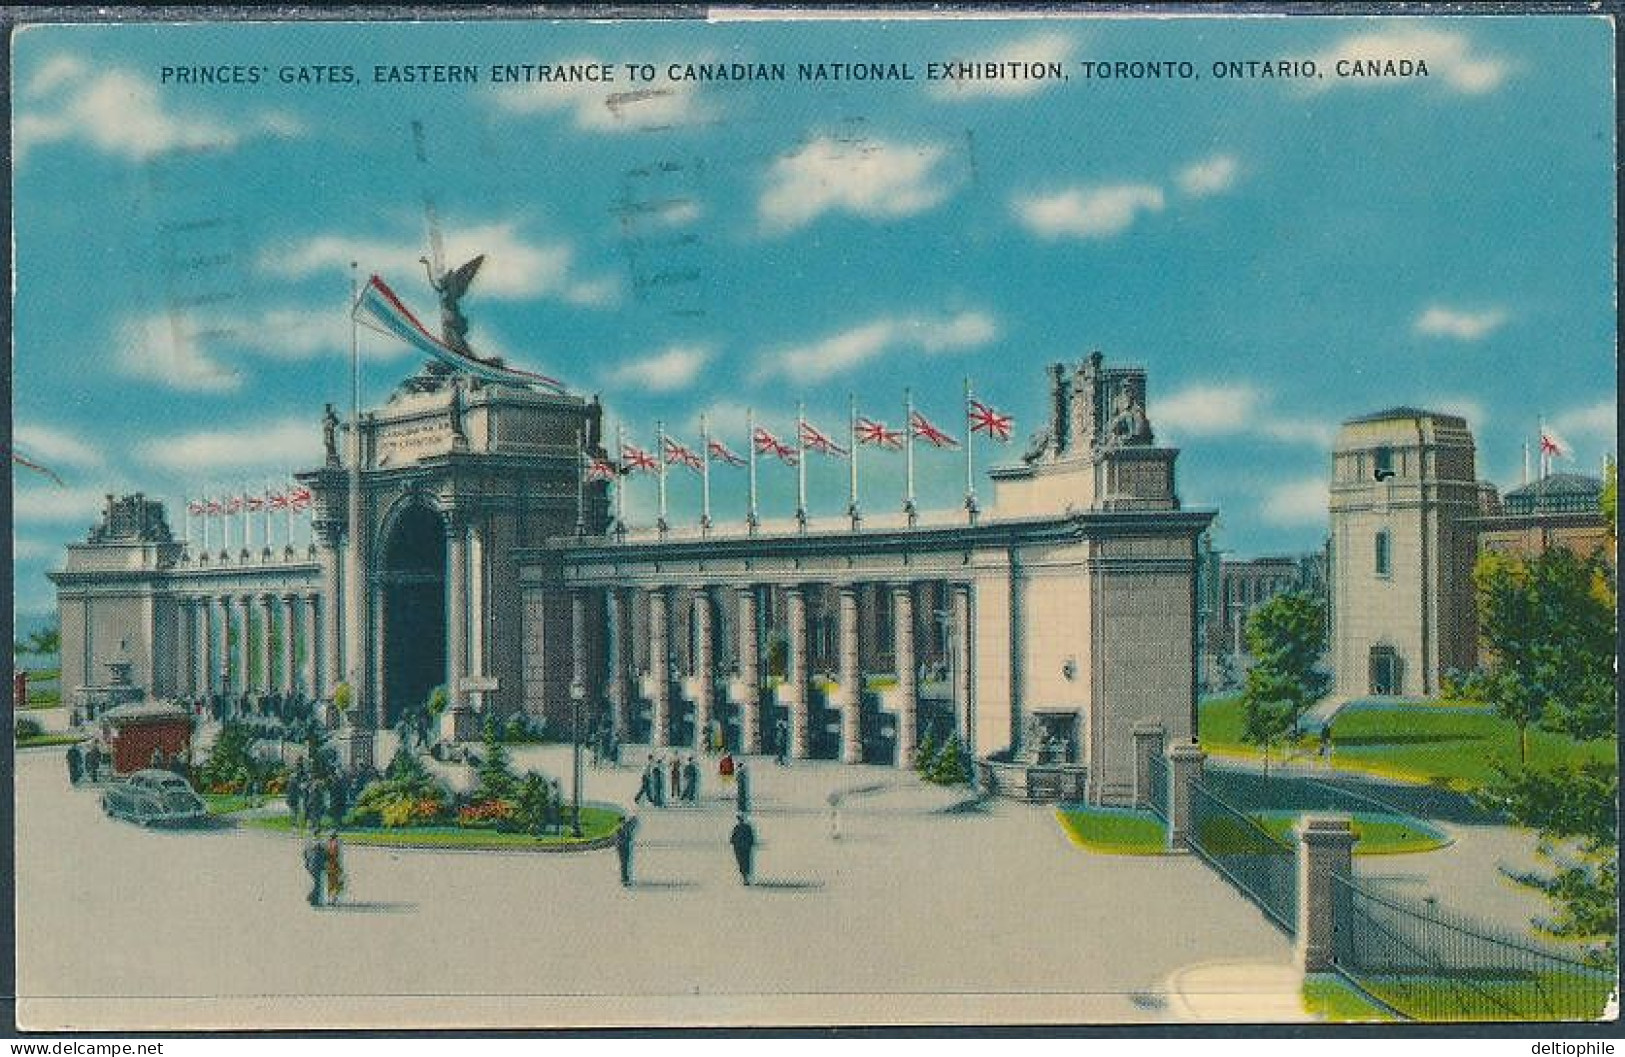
577	693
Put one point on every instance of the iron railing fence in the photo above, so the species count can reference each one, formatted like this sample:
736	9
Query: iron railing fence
1159	786
1432	965
1262	866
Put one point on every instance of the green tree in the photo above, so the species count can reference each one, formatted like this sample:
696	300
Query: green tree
497	780
1547	623
1287	637
44	642
533	797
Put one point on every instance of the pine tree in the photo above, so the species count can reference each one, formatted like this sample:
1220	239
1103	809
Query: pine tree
497	780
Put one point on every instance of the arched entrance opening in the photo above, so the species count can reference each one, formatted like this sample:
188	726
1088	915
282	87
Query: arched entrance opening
414	588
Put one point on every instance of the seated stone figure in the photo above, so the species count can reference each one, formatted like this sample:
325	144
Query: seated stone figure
1128	424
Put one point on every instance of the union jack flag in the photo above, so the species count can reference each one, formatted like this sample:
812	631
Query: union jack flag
876	433
679	453
234	505
215	509
984	419
255	503
718	450
815	440
299	498
635	458
921	427
197	508
278	500
600	469
767	444
1552	444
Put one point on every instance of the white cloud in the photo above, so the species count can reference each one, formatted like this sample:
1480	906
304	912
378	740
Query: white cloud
888	335
48	505
670	369
1088	213
1439	321
1297	503
1449	57
1231	409
613	107
120	113
56	447
514	269
1210	176
164	348
272	445
869	178
1465	406
32	549
1044	48
1598	419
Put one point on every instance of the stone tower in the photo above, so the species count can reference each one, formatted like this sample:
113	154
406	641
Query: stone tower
1403	486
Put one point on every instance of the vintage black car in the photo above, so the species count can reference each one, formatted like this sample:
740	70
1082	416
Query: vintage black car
154	798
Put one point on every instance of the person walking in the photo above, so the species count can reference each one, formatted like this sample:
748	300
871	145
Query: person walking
781	743
646	783
76	764
691	781
677	778
742	788
623	848
335	869
316	866
657	784
743	840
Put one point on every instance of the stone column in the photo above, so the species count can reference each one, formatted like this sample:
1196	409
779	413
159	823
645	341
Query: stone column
615	660
750	673
245	613
267	643
313	674
705	664
660	667
1147	744
850	674
964	650
332	597
217	616
185	646
908	675
456	606
796	681
290	627
1325	854
200	657
1184	771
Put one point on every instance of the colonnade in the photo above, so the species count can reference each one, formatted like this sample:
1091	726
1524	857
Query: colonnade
251	642
674	665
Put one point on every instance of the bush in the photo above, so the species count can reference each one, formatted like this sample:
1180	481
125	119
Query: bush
925	753
28	728
951	766
489	814
407	795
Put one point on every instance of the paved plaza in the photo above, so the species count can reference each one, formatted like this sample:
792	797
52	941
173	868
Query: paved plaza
923	909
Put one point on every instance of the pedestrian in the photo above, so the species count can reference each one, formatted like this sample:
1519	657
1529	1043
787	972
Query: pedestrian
76	765
834	801
92	762
1326	740
555	809
335	868
742	789
623	847
296	797
316	866
743	840
646	789
676	777
657	784
691	781
781	742
725	767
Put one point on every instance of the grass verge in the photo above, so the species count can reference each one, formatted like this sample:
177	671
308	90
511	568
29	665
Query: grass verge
1114	831
1534	996
40	740
596	824
1379	833
1330	997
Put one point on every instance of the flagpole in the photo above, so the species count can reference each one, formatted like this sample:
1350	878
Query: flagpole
265	499
705	476
908	454
970	459
353	636
752	521
801	466
660	454
287	506
581	486
1526	462
205	520
186	521
1545	456
852	455
620	487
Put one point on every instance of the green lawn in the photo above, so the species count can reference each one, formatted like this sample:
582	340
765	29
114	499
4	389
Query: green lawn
44	697
1537	996
48	739
43	675
1329	997
1380	833
231	803
1114	831
596	823
1441	743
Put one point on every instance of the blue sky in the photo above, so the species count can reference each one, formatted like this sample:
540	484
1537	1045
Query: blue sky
1280	254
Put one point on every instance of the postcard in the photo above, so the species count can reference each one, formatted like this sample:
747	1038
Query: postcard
814	521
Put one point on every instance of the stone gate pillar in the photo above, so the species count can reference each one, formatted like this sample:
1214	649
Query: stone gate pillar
332	596
267	643
851	678
456	606
964	681
290	629
1184	771
245	610
1147	745
908	675
312	675
1325	854
750	673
